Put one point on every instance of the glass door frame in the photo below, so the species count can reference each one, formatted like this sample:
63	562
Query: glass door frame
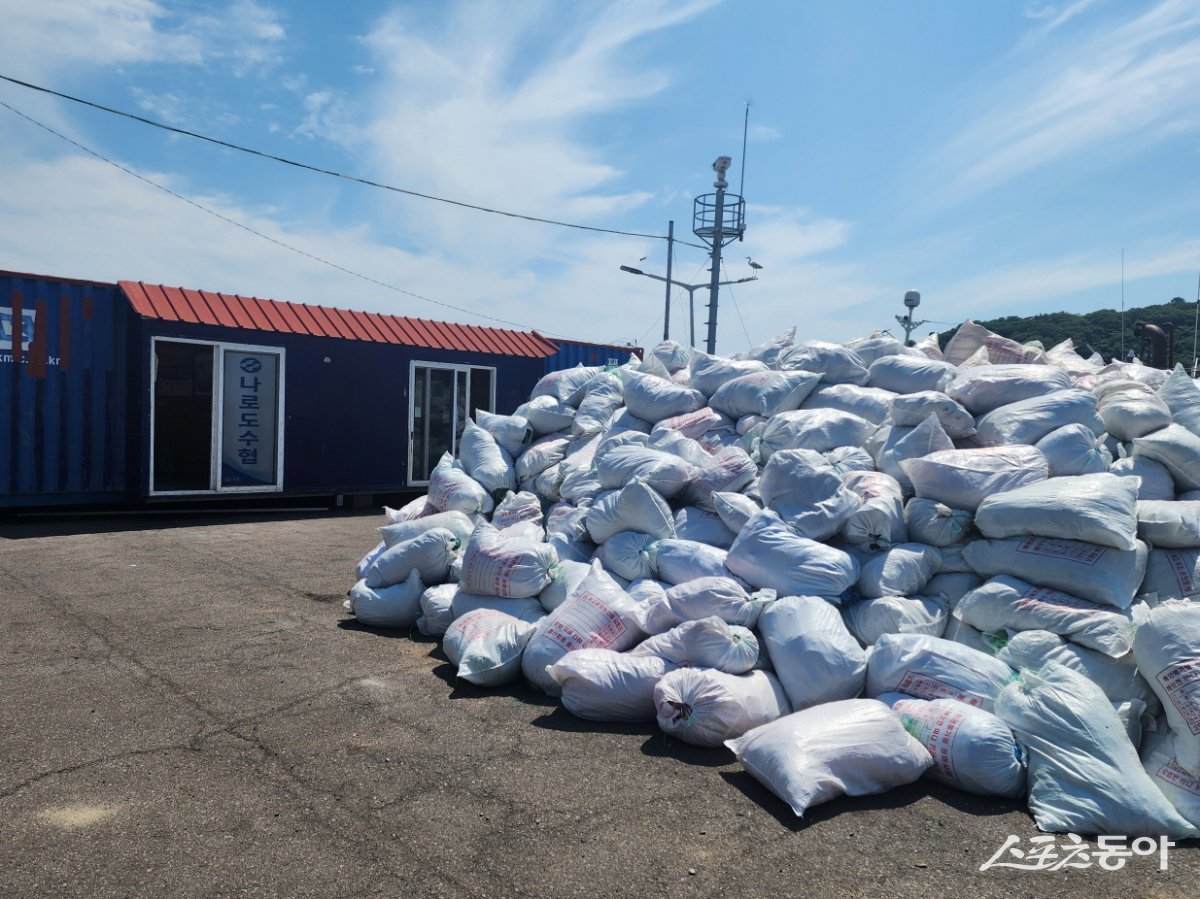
412	406
216	423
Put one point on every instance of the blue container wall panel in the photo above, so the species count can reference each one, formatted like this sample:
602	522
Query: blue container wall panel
63	365
571	354
346	419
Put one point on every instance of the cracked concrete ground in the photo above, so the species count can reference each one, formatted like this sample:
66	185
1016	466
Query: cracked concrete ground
187	711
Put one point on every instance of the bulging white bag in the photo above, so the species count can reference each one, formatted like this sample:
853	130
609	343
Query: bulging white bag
527	608
541	455
1118	678
498	566
814	656
764	393
396	606
601	399
806	493
567	385
871	403
512	432
767	554
486	461
570	574
1156	480
706	707
1094	508
1100	574
1028	421
1074	449
599	615
855	747
933	668
836	364
360	570
636	507
900	570
911	410
627	555
1084	773
546	414
814	429
700	598
696	424
703	526
1130	409
936	524
416	508
603	685
1178	449
665	472
709	373
1182	397
681	561
486	645
516	508
652	398
890	446
451	489
705	643
728	470
1180	786
911	374
735	509
1169	525
1008	603
429	554
1167	649
878	522
870	619
972	750
458	523
437	609
987	387
962	479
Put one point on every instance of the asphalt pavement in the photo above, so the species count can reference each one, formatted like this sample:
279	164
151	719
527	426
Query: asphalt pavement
188	711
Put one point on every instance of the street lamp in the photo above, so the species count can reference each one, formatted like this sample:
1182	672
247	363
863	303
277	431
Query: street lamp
690	288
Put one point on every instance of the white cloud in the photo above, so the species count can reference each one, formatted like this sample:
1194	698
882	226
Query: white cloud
763	133
1131	82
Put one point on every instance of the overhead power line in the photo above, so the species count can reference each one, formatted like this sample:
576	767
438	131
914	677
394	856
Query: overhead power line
330	172
276	241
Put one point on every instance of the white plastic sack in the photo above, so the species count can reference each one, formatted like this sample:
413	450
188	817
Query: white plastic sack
892	445
911	410
705	643
1006	602
1180	786
1169	525
498	566
911	374
396	606
1155	480
972	750
771	350
486	646
1074	449
1178	449
1167	649
767	554
952	586
415	508
599	615
526	608
936	524
856	747
1130	409
806	493
602	398
458	523
835	364
1028	421
1084	773
429	554
486	461
706	707
869	619
972	337
512	432
1101	574
878	522
1182	396
541	455
709	373
565	385
963	478
546	415
763	393
437	609
871	403
814	429
1094	508
696	424
988	387
602	685
570	575
703	597
735	509
933	668
900	570
681	561
360	570
1118	678
451	489
652	398
633	508
726	471
703	526
813	654
668	474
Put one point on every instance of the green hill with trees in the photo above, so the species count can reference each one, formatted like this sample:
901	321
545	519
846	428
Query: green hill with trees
1100	331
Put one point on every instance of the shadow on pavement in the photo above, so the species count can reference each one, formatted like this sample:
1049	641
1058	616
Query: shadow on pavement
561	720
661	745
353	624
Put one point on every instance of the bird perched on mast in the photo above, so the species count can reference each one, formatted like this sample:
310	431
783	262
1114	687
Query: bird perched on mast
754	265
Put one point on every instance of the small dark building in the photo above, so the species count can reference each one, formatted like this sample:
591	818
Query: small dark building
128	392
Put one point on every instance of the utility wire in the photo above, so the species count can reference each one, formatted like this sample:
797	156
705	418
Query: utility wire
736	307
322	171
273	240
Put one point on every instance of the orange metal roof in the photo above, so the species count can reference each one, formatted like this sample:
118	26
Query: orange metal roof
231	310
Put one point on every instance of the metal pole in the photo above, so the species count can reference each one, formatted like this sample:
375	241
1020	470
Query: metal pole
667	307
692	311
718	239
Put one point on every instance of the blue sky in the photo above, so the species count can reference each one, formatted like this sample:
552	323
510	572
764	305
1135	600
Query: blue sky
996	156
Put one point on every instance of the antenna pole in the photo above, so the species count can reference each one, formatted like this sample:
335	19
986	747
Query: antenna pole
745	131
1122	304
1196	330
667	307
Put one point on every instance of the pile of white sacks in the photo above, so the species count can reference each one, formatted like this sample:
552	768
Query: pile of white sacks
852	565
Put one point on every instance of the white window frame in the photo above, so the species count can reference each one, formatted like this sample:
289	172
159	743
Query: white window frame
217	423
412	398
